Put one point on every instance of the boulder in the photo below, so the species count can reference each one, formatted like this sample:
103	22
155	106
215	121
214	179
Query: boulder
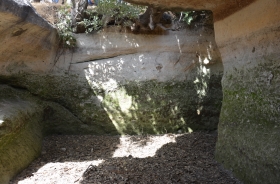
20	133
27	41
24	120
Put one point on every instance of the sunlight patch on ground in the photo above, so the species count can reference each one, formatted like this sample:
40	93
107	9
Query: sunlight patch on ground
142	147
66	172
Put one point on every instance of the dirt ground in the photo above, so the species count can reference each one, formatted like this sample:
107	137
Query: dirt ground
169	158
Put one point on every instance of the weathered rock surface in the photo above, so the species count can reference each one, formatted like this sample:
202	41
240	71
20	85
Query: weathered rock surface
112	83
24	120
148	83
247	34
27	41
158	83
20	134
249	132
119	82
105	82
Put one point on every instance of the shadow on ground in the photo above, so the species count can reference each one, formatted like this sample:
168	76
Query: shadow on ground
185	158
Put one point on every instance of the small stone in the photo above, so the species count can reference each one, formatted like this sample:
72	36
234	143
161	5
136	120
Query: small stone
63	149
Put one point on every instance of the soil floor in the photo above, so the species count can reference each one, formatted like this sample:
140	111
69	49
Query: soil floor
162	159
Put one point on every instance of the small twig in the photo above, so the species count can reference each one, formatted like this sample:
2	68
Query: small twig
88	168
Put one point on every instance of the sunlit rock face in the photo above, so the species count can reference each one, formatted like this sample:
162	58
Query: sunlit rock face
27	40
114	82
122	83
27	43
117	82
154	83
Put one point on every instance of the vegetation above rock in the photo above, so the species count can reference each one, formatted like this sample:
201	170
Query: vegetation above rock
80	19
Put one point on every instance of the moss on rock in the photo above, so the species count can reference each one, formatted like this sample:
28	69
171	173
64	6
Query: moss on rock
132	108
249	131
20	134
161	107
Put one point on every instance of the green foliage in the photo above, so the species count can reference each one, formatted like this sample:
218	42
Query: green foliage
188	17
63	25
110	12
91	23
201	17
107	12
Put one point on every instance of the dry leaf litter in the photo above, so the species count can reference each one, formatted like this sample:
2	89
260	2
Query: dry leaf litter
159	159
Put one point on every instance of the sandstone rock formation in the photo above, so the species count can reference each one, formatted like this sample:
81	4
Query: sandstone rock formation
114	82
20	135
26	38
131	84
247	34
249	132
22	33
124	83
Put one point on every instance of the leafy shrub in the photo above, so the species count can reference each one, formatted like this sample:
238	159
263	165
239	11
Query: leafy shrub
63	24
198	18
188	17
110	12
107	12
91	23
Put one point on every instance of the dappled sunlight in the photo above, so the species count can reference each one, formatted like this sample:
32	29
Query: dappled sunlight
1	119
142	147
179	45
157	91
60	172
203	74
109	43
120	107
132	42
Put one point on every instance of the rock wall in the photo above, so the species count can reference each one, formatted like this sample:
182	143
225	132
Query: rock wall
247	34
155	83
122	83
125	83
114	82
249	132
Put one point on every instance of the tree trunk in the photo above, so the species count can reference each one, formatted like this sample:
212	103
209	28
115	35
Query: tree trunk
151	17
73	15
77	12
